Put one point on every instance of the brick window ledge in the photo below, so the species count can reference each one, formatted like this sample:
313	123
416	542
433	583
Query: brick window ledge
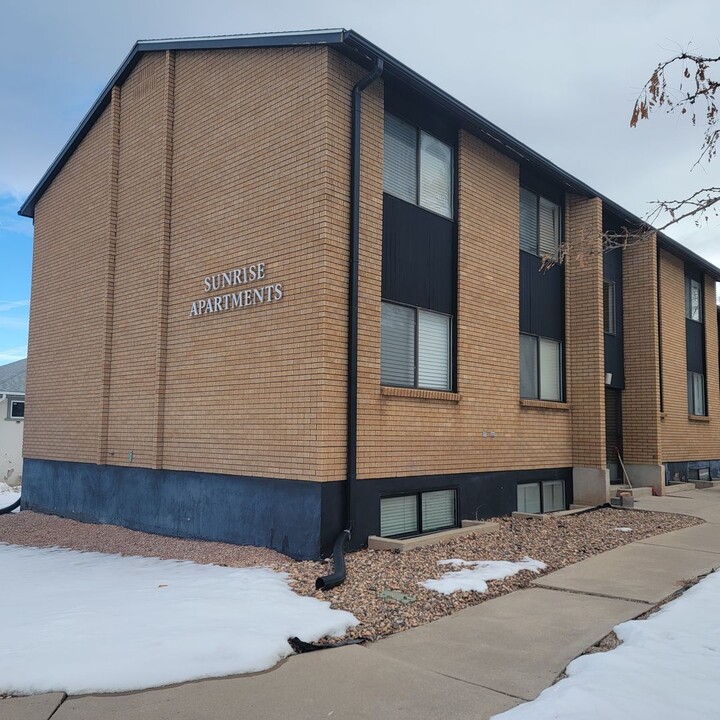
545	404
699	418
419	393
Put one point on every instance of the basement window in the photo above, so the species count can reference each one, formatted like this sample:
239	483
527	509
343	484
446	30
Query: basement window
424	512
541	497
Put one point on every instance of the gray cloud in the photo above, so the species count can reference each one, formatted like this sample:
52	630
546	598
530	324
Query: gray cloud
561	76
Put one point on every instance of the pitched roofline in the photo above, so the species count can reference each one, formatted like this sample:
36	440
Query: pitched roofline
353	44
312	37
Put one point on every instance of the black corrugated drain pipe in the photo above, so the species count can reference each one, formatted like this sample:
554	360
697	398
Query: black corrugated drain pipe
10	508
338	575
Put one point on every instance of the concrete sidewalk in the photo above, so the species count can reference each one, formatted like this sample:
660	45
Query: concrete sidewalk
473	664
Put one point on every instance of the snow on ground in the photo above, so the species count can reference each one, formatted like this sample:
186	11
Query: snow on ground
476	572
8	495
90	622
666	668
624	529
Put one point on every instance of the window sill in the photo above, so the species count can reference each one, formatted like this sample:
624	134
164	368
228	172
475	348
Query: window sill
445	395
699	418
545	404
663	415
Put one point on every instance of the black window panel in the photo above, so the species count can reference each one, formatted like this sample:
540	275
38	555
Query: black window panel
542	185
417	111
542	298
418	257
614	353
695	346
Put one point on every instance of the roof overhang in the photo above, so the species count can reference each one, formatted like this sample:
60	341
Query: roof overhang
365	53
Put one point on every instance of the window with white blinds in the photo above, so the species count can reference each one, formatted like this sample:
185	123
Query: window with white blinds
435	175
696	393
438	510
550	381
540	368
528	366
400	166
609	312
539	224
433	350
415	347
397	345
399	515
417	167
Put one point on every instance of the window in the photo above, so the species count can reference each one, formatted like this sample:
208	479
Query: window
541	497
17	409
696	393
539	224
418	167
418	513
540	368
415	347
609	312
693	299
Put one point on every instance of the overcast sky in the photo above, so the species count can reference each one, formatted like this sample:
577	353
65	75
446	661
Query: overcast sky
559	75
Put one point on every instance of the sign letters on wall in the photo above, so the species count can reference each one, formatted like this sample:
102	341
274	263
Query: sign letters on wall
237	294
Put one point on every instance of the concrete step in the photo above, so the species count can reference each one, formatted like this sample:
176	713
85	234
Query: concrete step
636	492
678	488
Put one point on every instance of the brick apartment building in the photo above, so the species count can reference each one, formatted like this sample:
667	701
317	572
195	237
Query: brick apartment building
283	285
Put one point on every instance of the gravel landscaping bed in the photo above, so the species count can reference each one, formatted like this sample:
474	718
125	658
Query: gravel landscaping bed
371	573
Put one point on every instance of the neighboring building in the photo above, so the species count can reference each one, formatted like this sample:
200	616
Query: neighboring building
12	416
195	239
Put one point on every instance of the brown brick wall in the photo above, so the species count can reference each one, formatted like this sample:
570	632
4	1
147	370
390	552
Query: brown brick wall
584	324
682	438
69	284
247	391
642	441
131	411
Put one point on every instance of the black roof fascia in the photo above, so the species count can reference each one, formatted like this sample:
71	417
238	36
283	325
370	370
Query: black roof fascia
501	140
317	37
364	52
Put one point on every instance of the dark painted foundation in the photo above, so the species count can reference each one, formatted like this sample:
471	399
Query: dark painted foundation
676	472
298	518
281	514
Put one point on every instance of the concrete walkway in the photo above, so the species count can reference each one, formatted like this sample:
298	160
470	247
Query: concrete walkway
473	664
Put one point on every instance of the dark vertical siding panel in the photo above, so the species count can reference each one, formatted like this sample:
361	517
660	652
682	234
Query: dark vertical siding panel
419	252
542	302
614	344
695	346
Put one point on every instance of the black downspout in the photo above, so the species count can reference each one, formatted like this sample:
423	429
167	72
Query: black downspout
337	577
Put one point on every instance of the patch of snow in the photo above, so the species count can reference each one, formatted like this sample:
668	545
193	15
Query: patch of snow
624	529
666	668
86	622
8	495
477	572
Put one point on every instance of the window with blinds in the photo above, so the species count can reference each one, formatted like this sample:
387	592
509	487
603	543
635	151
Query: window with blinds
696	394
399	515
415	347
417	168
540	368
541	497
539	224
609	313
693	299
